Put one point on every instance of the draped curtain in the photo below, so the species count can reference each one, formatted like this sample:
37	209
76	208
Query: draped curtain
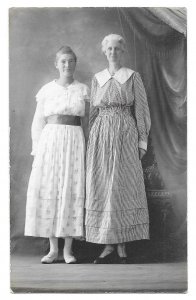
156	43
174	17
159	47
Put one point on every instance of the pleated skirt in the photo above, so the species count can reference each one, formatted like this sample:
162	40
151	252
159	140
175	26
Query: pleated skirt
116	204
55	196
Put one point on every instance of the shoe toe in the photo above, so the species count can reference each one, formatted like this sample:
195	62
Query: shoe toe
103	260
49	259
96	261
70	260
123	260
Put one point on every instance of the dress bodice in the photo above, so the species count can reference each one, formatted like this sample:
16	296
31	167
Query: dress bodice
57	99
113	93
117	94
54	99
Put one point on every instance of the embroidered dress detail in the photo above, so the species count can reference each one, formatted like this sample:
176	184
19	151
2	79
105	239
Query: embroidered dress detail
55	196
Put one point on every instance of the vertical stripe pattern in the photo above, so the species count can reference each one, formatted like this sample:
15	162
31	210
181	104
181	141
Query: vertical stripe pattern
116	205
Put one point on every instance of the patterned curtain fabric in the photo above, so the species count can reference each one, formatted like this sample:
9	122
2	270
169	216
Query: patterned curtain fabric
160	57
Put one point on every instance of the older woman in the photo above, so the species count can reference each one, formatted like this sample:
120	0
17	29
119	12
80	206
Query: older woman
116	205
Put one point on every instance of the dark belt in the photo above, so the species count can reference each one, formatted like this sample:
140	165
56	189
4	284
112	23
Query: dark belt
64	120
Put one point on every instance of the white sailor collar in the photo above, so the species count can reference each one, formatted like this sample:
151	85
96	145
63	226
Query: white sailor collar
122	75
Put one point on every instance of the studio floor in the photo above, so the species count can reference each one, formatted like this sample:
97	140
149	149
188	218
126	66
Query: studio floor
28	275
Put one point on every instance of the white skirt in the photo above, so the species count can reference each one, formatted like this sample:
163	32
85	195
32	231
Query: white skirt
55	196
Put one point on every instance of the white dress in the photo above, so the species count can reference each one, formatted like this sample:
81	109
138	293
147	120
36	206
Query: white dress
56	190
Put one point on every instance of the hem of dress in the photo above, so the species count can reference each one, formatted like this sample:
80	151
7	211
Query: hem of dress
117	242
105	236
55	235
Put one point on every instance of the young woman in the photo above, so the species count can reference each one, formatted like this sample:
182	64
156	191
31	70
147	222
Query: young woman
55	197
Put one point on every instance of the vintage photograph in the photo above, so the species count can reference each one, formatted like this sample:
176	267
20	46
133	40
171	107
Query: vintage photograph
98	149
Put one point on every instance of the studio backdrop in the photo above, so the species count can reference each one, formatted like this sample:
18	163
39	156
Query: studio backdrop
156	48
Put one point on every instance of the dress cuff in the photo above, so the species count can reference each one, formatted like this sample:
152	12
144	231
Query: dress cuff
143	145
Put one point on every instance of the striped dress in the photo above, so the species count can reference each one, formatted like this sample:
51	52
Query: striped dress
116	205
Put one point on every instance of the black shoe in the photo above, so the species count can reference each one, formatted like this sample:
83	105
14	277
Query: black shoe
123	260
104	260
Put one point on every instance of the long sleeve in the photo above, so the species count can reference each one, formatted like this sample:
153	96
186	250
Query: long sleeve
86	93
37	126
93	109
85	118
142	113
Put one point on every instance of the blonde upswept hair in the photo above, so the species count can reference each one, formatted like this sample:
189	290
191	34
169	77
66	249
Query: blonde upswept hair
65	50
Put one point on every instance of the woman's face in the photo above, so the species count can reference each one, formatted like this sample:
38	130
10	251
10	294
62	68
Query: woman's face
66	65
113	51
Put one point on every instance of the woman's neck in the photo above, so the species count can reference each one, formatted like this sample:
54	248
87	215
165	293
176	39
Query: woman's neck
114	67
64	81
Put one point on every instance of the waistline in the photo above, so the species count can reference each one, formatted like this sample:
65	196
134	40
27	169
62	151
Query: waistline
64	120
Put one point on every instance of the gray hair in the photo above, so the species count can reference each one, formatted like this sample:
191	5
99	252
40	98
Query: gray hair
113	37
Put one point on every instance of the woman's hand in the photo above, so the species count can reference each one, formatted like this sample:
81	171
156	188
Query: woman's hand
142	152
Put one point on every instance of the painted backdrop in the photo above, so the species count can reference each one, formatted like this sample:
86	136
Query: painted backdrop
35	36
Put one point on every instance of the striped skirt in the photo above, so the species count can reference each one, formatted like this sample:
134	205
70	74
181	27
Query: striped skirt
116	205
